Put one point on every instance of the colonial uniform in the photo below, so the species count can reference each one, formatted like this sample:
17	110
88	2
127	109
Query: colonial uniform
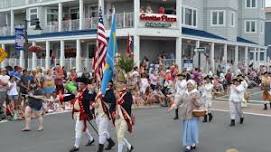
102	120
235	100
207	98
244	93
121	111
81	113
266	88
180	88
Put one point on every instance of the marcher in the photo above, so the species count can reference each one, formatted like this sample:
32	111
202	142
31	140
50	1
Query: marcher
180	87
190	123
235	99
81	111
265	86
208	97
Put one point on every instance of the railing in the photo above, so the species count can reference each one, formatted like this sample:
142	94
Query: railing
51	27
69	63
70	25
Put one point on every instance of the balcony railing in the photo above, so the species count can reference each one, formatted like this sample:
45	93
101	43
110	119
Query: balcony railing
123	20
14	3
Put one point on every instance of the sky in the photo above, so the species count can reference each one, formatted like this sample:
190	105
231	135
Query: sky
268	3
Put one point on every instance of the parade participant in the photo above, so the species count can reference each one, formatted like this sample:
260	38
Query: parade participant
207	97
265	86
4	78
13	97
190	123
81	111
235	99
244	93
34	106
121	112
102	117
59	76
180	87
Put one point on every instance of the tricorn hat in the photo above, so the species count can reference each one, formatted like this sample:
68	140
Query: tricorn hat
208	77
83	80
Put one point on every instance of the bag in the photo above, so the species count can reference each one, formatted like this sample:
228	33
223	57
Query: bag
201	112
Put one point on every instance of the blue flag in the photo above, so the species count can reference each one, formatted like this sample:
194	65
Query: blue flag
110	57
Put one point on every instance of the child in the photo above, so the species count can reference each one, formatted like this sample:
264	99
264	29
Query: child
13	97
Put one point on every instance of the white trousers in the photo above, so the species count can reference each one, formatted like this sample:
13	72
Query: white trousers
235	110
208	103
79	126
121	129
102	124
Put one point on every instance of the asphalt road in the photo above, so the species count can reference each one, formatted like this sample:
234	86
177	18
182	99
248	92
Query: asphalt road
155	132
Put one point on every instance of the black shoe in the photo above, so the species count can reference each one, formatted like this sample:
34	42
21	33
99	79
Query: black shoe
90	142
232	123
176	114
265	107
194	147
241	120
205	118
74	149
210	117
111	144
101	148
131	149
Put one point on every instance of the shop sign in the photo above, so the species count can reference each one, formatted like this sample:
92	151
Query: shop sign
3	55
158	20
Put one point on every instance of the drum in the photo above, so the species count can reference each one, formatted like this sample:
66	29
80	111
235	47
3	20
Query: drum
199	112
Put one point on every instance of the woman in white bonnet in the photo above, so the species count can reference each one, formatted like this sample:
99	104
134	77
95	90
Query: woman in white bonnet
190	102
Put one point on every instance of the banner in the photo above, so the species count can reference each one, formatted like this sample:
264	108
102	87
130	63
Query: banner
3	55
19	39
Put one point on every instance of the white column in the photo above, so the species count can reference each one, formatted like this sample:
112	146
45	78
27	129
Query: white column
265	57
179	52
47	55
34	58
246	59
137	50
62	53
60	17
254	57
78	56
22	59
236	57
197	56
212	57
12	22
101	3
225	56
259	59
136	12
179	13
81	14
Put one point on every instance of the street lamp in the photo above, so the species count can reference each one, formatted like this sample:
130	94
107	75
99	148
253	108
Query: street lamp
37	27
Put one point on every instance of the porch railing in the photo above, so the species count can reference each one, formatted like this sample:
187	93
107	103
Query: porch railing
69	63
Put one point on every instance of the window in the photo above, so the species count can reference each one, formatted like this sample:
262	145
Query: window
218	18
250	26
52	15
189	17
232	19
251	4
74	13
93	11
261	26
261	56
33	15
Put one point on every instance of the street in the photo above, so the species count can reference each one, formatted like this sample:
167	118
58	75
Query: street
155	131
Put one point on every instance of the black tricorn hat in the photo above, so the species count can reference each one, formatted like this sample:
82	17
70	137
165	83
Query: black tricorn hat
83	80
237	79
181	75
208	77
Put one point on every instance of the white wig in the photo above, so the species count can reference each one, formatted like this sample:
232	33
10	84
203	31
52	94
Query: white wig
192	82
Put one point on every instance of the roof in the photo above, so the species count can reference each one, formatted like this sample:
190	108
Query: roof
242	40
201	33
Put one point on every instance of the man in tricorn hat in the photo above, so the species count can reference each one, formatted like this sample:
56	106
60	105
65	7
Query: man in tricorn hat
180	88
81	111
207	97
235	99
265	86
121	112
244	93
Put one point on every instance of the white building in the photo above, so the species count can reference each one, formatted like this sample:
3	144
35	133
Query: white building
230	31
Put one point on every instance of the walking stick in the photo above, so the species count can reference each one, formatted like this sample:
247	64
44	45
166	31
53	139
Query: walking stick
95	130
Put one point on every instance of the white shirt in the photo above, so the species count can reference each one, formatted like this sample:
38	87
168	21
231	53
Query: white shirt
4	79
153	79
13	89
208	89
181	86
236	93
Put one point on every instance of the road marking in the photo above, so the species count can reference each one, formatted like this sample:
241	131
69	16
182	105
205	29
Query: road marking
248	113
232	150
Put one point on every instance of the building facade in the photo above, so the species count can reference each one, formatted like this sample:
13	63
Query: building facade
268	30
230	32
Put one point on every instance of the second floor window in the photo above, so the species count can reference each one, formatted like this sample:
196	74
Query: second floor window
33	15
189	17
217	18
52	15
251	4
250	26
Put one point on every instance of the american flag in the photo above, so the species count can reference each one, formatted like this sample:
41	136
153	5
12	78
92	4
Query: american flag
101	47
129	50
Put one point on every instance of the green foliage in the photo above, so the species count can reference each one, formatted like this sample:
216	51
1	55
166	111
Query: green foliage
126	63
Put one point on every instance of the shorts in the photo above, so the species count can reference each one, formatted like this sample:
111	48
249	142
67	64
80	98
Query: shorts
13	97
